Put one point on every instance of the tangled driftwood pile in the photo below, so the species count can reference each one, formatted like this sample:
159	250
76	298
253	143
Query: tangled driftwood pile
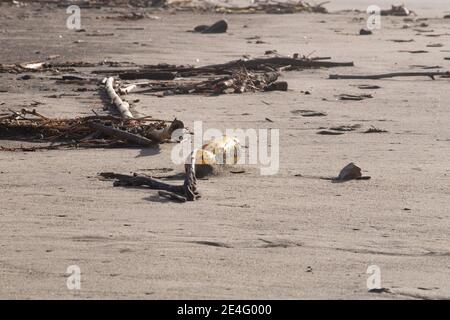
93	131
251	75
238	81
127	130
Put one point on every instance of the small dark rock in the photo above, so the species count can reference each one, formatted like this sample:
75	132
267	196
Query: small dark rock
364	32
220	26
26	77
350	172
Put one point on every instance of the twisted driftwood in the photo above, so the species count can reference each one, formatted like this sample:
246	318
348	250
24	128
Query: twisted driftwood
170	72
182	193
278	62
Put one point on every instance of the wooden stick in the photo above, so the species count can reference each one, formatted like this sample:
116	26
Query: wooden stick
123	135
122	106
279	62
390	75
190	180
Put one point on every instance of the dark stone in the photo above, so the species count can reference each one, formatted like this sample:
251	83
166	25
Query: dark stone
364	32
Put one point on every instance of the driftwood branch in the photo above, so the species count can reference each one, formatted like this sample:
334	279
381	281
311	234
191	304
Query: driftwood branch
390	75
181	193
122	135
122	106
278	62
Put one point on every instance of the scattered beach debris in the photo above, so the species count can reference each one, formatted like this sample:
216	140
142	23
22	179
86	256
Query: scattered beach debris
220	26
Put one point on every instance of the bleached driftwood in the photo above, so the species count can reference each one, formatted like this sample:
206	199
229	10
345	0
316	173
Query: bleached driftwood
128	89
122	106
121	134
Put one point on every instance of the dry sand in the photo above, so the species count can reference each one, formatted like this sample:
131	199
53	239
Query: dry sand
250	236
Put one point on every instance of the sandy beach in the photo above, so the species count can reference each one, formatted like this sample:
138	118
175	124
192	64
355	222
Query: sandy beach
290	235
